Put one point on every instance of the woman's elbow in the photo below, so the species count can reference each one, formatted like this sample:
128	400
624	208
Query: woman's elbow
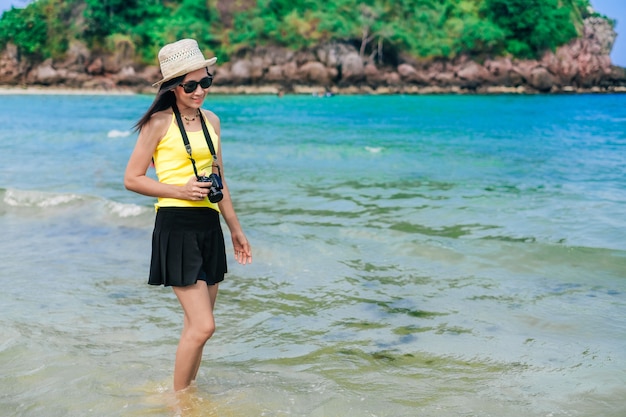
129	183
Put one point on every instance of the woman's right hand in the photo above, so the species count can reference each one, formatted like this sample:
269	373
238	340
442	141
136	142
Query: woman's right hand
195	190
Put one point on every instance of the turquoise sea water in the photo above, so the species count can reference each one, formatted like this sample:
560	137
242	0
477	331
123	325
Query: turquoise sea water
413	256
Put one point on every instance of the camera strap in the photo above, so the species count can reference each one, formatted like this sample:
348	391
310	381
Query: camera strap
207	137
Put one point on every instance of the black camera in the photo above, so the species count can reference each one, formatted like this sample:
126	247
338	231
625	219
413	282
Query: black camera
215	193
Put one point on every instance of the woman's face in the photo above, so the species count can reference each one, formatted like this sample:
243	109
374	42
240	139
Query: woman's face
195	98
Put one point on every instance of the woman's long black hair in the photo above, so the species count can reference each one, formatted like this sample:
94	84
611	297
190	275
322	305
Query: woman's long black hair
163	100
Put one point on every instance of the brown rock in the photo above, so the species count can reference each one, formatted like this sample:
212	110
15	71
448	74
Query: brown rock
370	70
445	79
151	74
123	56
276	56
290	70
10	71
128	77
352	68
524	68
472	75
314	72
111	65
584	62
373	75
96	67
333	73
76	57
275	73
408	73
514	79
222	75
302	57
498	66
331	54
471	71
618	75
541	79
240	71
257	68
393	78
74	79
99	83
601	34
44	74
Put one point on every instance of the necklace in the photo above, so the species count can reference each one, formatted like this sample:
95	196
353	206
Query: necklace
190	119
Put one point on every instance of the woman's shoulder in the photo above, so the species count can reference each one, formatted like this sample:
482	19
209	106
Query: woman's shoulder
161	118
212	118
157	126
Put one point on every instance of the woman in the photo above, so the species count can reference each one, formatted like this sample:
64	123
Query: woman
188	251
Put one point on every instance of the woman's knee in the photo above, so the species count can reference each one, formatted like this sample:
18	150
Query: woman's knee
208	330
201	332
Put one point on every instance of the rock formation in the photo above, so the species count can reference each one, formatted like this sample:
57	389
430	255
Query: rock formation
582	65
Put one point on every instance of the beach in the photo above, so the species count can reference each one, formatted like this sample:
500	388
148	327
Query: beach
61	91
432	255
270	89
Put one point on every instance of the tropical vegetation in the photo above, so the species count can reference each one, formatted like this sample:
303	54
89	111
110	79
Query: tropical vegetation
380	29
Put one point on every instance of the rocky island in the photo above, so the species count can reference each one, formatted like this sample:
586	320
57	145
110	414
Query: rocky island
340	67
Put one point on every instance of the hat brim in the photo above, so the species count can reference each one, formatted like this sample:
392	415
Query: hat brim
186	70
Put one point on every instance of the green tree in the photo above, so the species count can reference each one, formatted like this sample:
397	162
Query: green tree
167	23
531	26
26	28
39	30
377	28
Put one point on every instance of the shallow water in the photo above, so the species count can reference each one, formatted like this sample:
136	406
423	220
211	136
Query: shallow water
432	256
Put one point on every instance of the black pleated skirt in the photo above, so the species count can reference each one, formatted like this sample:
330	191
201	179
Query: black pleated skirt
187	245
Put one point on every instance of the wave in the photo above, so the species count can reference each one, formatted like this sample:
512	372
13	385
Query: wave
118	133
374	149
125	210
36	203
31	198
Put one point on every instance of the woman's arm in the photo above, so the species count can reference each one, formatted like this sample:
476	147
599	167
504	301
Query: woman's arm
243	252
135	178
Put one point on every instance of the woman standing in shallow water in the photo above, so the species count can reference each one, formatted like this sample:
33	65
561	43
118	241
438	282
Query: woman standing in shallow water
188	250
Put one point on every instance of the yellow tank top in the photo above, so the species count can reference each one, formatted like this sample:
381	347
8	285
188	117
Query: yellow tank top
172	164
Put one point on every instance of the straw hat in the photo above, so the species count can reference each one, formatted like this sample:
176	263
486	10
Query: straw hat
180	58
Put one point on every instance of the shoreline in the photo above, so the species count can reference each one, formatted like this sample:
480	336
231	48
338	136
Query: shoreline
45	90
314	90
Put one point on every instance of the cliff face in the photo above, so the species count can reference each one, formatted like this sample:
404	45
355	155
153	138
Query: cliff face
582	65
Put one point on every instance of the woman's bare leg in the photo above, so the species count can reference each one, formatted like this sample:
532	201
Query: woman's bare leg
213	296
197	301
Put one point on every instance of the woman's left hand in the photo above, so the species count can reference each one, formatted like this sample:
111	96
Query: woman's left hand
243	252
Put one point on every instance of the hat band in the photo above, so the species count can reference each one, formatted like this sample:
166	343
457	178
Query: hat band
186	54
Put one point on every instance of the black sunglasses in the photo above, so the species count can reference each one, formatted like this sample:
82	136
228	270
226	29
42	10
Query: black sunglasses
190	86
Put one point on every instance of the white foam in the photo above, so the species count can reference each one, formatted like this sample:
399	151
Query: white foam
57	200
125	210
373	149
37	199
118	133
